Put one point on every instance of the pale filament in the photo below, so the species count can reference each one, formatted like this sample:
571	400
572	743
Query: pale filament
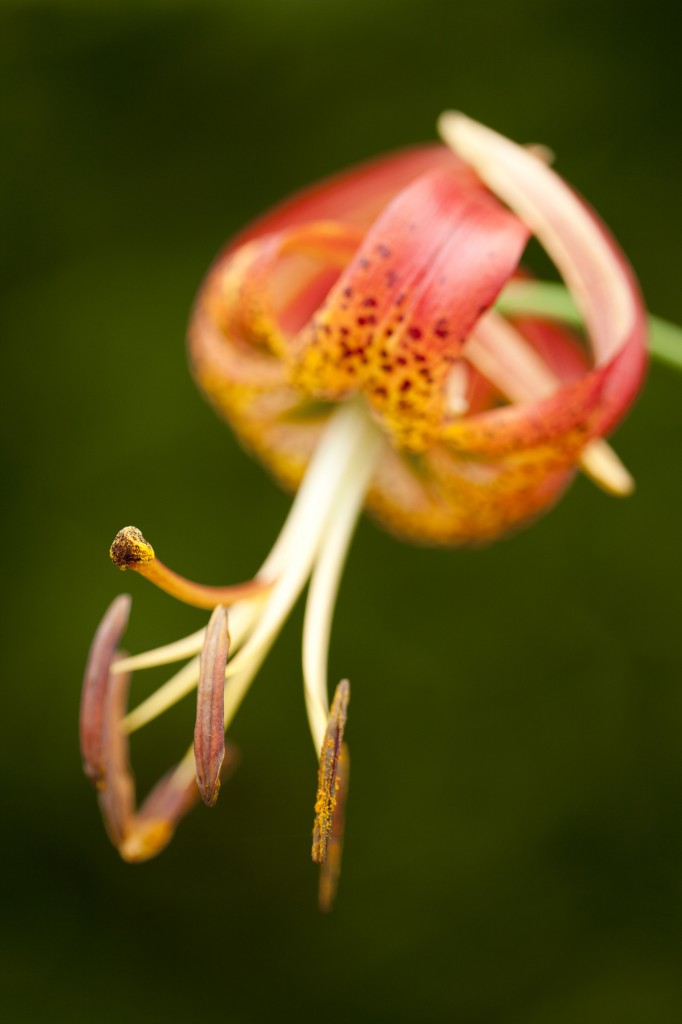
324	585
341	465
351	445
242	616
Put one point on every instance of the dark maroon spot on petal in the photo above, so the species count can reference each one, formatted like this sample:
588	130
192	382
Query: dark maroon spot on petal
415	332
406	385
383	251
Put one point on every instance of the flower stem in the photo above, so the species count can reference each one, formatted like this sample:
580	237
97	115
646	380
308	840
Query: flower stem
553	300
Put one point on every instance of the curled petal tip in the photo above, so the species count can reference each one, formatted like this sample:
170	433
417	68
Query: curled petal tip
603	466
450	121
130	549
209	731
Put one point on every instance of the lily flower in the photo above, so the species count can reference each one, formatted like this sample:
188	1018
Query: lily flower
354	340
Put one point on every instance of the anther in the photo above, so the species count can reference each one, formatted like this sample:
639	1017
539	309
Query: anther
209	731
95	687
328	777
117	792
170	800
330	870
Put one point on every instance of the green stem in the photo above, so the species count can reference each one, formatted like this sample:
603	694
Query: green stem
553	301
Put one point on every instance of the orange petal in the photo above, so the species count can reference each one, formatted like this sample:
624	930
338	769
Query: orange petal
395	321
602	284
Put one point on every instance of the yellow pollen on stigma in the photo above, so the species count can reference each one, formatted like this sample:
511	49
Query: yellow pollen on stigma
130	550
423	446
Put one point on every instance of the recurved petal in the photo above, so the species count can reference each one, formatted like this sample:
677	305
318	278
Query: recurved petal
253	301
95	685
596	272
396	319
355	196
440	498
209	731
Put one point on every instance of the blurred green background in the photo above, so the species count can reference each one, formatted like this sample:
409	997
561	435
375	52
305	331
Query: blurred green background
514	839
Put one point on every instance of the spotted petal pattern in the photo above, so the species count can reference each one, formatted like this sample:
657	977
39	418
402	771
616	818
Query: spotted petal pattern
378	284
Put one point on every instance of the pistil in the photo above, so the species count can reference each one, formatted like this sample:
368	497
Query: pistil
130	550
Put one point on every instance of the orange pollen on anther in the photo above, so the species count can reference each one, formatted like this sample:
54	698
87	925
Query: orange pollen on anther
327	780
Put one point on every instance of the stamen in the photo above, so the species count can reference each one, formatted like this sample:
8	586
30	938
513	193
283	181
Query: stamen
130	550
324	586
242	617
340	468
166	805
165	655
154	825
327	779
117	791
330	870
95	686
209	732
350	443
177	687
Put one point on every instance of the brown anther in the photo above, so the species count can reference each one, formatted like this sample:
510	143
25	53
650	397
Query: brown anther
328	779
167	804
209	731
330	870
95	686
130	550
117	792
